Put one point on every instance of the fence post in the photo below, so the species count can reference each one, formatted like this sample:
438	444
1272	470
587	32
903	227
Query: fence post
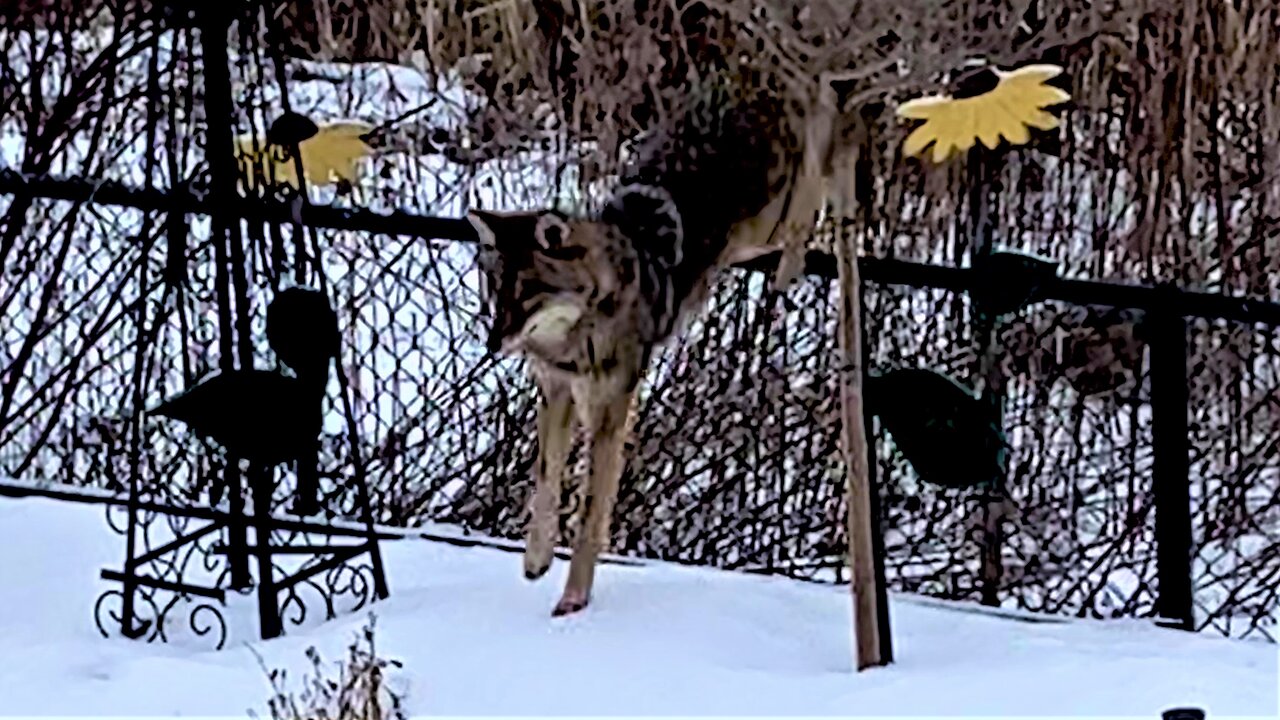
861	521
1167	338
984	179
877	513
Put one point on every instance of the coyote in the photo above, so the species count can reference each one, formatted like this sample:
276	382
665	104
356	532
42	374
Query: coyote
587	300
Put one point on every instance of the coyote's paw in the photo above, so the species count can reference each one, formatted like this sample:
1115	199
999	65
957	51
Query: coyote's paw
571	602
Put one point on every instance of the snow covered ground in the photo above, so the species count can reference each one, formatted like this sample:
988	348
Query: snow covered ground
476	639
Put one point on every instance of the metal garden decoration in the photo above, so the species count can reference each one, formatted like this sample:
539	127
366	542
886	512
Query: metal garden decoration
1009	111
266	418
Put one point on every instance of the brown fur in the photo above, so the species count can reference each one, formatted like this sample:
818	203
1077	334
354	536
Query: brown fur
539	264
587	300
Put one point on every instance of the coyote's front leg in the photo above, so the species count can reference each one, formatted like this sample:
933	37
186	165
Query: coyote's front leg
609	426
555	435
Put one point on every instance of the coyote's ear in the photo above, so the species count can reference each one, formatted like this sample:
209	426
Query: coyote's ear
515	232
550	231
484	223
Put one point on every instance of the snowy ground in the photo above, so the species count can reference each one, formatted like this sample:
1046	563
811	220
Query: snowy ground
476	639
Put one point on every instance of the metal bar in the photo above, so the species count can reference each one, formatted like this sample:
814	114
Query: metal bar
202	513
269	619
338	558
147	581
183	199
174	544
885	271
237	530
293	549
1171	469
18	491
213	21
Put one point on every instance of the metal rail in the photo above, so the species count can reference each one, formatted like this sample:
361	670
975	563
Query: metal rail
1213	306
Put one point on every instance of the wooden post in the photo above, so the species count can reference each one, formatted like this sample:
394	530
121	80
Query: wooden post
861	520
877	516
983	178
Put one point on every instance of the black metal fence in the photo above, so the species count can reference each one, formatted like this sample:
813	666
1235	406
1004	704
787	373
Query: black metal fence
107	270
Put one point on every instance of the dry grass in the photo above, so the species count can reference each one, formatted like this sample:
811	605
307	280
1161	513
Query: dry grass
1170	138
360	690
1174	103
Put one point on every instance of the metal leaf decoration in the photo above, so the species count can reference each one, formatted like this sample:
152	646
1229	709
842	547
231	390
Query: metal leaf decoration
940	427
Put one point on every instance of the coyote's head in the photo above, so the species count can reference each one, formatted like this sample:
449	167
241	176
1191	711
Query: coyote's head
545	272
538	274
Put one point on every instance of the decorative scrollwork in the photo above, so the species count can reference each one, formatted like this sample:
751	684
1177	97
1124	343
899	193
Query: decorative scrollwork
342	589
183	563
214	622
150	620
201	182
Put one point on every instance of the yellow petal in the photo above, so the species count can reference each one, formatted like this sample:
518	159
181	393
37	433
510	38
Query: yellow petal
942	151
918	140
965	131
923	108
989	134
1037	95
1042	120
1015	132
1030	74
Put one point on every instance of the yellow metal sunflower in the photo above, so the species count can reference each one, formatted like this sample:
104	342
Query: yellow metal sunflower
1008	110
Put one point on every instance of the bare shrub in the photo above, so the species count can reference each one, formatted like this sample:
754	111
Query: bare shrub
360	691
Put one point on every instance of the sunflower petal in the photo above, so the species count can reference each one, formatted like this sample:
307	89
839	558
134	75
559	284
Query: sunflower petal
923	108
918	140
